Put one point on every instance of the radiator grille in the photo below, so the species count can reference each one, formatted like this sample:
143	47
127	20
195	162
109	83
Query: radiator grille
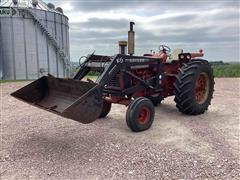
115	82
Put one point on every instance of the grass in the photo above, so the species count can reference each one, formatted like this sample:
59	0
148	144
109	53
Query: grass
227	70
12	81
92	77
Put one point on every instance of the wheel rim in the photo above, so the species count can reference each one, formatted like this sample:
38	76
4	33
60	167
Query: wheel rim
144	116
202	88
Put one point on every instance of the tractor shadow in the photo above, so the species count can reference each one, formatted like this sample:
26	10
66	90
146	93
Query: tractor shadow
171	127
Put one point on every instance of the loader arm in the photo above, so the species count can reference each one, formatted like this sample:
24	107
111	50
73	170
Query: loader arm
92	63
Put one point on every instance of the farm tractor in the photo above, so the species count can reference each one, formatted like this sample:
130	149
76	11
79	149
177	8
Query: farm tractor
138	82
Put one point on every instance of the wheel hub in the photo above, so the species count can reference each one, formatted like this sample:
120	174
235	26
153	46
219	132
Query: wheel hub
202	88
144	116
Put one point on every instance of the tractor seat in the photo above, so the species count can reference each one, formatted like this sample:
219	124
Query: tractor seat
174	56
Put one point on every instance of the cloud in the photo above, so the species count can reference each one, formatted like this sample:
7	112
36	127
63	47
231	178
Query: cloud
98	25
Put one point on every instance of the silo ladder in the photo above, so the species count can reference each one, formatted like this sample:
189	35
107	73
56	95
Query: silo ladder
49	36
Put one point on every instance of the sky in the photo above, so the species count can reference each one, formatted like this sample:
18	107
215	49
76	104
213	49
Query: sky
211	25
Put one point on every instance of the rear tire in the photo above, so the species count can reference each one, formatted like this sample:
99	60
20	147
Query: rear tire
140	114
106	108
194	87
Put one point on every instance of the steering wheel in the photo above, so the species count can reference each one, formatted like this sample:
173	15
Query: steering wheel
82	60
164	48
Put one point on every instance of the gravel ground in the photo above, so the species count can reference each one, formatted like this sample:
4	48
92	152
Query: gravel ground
39	145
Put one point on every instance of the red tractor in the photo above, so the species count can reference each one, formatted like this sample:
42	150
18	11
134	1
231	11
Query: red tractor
139	82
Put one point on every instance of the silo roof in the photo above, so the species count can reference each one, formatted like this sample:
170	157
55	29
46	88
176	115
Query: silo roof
27	4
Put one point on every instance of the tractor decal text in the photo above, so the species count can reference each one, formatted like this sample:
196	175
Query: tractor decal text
137	60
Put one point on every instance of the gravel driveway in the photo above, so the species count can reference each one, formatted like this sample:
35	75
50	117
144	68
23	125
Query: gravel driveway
39	145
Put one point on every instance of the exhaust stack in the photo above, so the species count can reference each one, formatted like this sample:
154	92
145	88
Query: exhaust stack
131	40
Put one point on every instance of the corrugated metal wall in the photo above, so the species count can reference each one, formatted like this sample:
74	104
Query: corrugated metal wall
25	50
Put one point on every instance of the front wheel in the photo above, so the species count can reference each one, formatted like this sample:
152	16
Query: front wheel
194	87
140	114
106	108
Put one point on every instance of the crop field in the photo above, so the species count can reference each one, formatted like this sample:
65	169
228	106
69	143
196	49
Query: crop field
227	70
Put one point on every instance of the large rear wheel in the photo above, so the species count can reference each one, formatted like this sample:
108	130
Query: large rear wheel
194	87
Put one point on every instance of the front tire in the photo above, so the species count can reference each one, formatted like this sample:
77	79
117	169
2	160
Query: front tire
106	108
194	87
140	114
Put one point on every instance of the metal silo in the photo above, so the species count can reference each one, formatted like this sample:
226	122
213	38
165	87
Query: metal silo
34	40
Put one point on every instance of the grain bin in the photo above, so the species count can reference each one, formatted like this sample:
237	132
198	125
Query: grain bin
34	40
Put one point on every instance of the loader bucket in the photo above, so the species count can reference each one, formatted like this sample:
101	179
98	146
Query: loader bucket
74	99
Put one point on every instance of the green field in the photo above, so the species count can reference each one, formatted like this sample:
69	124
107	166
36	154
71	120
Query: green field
12	81
227	70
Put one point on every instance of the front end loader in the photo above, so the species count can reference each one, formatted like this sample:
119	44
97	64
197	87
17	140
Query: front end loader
138	82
